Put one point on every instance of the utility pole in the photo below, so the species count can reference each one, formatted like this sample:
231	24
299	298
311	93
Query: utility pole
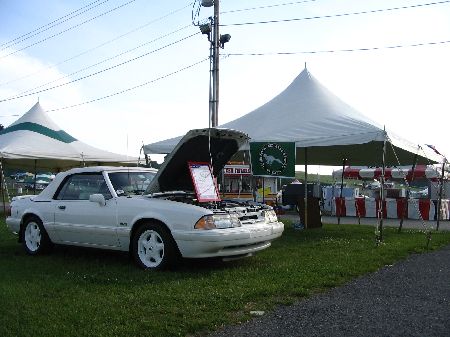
217	41
215	69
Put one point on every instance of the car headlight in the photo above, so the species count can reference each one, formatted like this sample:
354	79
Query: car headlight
219	221
270	216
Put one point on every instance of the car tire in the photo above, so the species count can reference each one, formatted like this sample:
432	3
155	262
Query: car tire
153	247
35	239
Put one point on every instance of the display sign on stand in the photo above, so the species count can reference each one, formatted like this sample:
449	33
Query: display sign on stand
204	183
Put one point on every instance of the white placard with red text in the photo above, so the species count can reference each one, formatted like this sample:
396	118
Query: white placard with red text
204	182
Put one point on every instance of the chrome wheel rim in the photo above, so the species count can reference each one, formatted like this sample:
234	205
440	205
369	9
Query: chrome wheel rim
150	248
33	236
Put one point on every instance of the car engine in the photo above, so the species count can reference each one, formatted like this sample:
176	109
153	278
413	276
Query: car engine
247	210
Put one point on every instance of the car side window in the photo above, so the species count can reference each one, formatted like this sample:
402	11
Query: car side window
81	186
126	183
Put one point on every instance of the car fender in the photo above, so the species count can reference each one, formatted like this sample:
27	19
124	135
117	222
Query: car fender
173	215
47	222
26	214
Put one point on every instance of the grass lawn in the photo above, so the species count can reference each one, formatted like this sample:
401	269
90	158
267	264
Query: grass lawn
84	292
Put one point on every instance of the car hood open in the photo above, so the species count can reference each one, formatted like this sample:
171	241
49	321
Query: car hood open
210	145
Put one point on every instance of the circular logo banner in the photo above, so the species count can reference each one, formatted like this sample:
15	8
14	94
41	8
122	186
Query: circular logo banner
273	159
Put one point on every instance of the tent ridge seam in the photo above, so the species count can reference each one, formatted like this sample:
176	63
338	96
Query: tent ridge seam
60	135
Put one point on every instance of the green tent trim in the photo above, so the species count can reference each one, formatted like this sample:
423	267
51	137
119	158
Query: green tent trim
60	135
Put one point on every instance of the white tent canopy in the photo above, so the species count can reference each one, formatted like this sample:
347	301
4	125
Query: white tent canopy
315	119
391	173
34	140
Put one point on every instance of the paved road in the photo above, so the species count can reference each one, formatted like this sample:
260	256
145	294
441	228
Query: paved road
409	298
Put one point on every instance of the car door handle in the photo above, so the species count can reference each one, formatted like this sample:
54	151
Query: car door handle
62	207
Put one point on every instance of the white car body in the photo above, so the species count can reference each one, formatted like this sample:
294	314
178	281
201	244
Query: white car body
112	219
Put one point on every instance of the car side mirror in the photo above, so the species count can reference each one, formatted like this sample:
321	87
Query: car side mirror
120	192
100	198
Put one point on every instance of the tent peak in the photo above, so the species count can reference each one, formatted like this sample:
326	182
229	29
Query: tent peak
38	116
305	73
34	136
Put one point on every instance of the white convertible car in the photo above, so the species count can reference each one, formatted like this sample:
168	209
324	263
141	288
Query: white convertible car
155	215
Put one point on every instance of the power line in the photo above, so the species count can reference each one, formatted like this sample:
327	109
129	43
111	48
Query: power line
101	45
68	29
337	15
132	88
50	25
421	44
103	61
265	7
98	72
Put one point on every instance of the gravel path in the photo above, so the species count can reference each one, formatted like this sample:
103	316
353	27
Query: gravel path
410	298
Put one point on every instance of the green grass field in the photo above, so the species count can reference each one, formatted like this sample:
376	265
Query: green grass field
84	292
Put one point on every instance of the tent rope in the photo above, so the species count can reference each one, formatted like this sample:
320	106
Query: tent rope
436	185
380	202
427	230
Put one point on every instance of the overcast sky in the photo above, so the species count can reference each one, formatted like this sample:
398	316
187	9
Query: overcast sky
143	65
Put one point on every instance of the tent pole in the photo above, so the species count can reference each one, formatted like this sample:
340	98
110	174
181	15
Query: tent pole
263	194
382	197
344	162
438	216
2	187
253	182
405	206
34	184
306	188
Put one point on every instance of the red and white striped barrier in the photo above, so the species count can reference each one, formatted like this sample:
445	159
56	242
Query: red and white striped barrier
421	208
393	208
445	209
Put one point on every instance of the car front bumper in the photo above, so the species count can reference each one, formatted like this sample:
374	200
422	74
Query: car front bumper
13	224
227	242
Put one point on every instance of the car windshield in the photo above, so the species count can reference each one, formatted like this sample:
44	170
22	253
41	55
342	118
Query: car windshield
127	183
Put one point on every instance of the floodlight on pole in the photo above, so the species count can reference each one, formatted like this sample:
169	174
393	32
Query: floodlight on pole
224	39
